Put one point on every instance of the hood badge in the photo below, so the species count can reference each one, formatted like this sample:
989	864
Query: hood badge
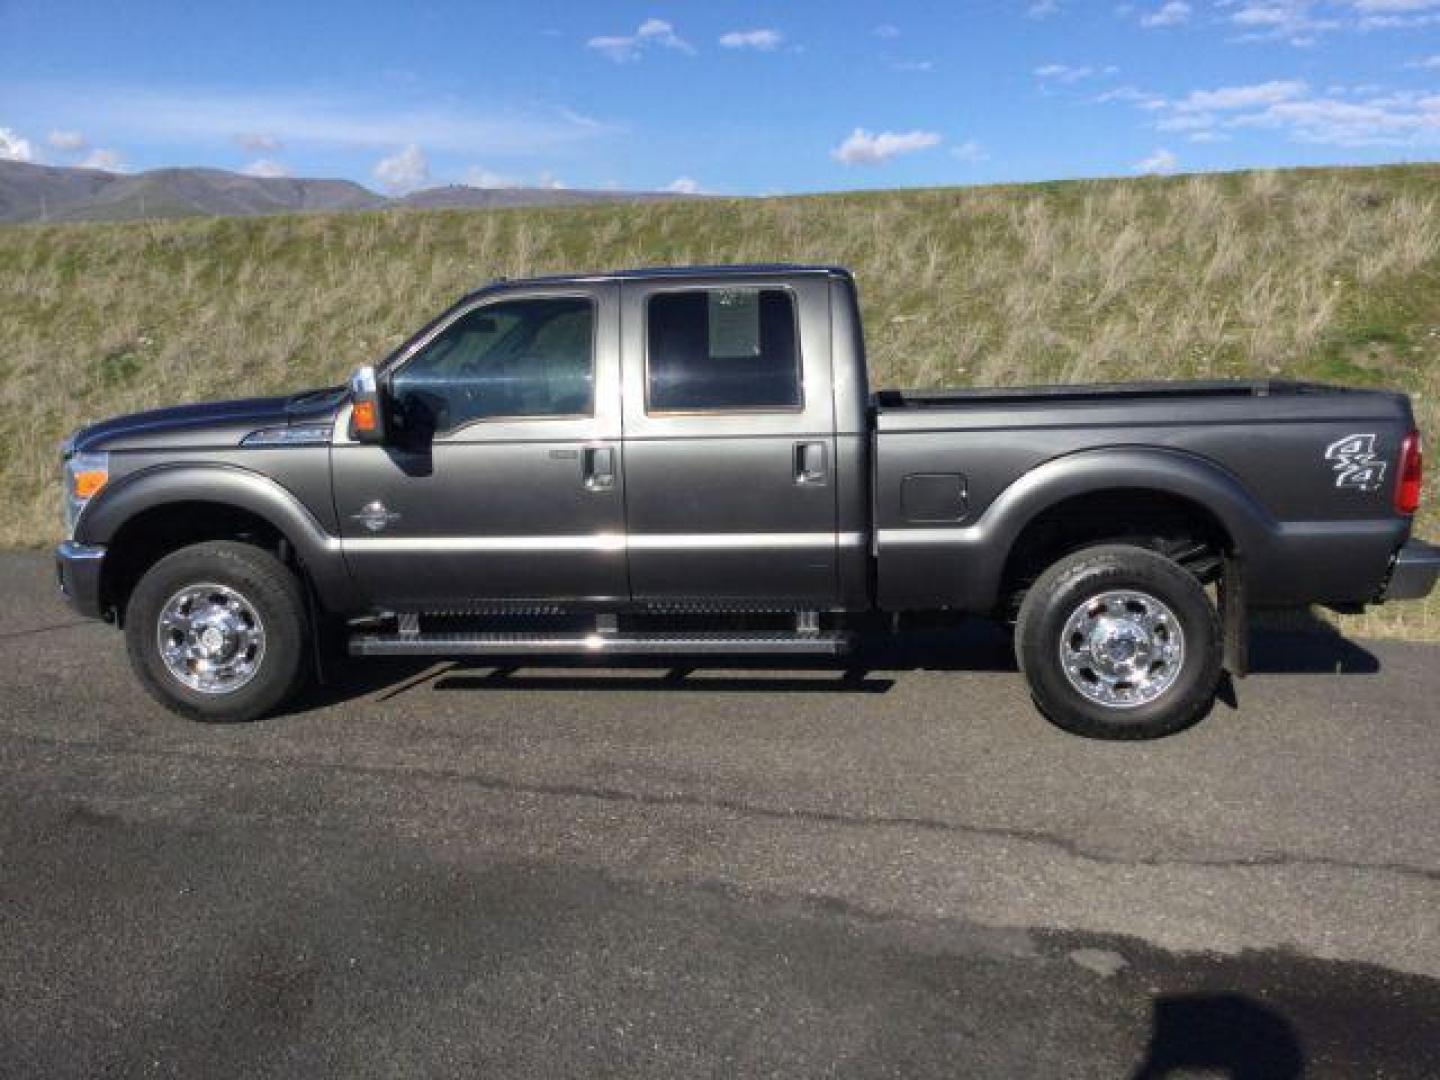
1355	462
375	516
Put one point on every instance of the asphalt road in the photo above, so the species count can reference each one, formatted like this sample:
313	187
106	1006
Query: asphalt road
544	872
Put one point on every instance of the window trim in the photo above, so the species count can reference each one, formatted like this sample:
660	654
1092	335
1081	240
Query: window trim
495	301
789	410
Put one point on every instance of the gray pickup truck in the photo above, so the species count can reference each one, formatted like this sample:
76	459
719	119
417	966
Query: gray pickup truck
679	462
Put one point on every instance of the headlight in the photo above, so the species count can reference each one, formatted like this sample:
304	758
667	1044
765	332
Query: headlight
85	475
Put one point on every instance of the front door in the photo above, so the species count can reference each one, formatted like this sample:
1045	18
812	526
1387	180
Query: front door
729	442
502	484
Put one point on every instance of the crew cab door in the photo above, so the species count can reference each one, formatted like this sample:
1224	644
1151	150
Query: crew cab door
729	441
502	481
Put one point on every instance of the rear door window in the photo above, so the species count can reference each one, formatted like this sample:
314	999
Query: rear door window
722	350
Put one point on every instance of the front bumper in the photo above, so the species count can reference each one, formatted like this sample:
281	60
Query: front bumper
1413	575
79	567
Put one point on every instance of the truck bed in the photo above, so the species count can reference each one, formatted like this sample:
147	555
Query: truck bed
951	465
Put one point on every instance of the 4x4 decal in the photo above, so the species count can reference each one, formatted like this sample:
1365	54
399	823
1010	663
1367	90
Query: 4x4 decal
1355	463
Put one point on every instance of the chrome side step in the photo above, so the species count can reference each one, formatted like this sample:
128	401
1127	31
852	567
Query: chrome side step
599	643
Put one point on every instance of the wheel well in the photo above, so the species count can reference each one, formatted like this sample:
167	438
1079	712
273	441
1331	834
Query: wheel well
152	534
1169	524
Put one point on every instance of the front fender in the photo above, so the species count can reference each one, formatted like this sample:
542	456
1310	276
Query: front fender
225	485
964	563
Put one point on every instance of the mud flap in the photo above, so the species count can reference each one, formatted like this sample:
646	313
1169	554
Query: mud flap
1234	618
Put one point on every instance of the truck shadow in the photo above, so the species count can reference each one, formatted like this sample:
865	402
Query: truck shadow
1229	1035
872	668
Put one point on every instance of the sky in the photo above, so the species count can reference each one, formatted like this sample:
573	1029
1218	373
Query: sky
727	97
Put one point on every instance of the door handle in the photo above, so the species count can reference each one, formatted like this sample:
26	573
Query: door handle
811	463
600	468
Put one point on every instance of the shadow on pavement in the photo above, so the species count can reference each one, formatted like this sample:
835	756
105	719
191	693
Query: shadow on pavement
1275	653
971	646
1225	1035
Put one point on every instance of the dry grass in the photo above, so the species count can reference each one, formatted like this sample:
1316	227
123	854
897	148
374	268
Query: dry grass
1327	274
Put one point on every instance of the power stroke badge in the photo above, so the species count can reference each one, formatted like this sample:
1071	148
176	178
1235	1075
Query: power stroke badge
1355	462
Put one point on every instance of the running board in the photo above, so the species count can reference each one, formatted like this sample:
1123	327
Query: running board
590	644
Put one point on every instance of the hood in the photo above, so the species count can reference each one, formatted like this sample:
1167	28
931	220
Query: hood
210	423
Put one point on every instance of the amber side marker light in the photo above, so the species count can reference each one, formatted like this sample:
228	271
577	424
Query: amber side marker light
89	481
1411	474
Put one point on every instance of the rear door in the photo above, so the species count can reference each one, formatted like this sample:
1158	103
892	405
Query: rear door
729	441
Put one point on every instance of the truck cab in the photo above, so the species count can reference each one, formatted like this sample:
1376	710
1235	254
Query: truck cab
656	440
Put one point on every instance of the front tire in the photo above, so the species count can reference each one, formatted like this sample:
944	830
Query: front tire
218	632
1118	642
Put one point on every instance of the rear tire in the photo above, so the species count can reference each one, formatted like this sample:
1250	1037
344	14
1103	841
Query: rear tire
218	632
1118	642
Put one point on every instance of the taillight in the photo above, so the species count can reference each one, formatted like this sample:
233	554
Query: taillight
1407	490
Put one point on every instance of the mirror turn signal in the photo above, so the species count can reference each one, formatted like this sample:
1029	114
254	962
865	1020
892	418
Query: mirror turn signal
367	416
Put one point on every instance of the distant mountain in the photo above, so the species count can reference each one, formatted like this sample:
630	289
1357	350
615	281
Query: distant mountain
51	193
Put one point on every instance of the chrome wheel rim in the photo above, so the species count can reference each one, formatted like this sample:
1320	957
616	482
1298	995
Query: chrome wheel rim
211	638
1122	649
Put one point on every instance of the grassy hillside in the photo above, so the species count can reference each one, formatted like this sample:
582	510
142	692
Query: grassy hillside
1326	274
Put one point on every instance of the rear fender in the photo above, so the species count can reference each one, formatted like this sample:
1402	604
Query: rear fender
964	563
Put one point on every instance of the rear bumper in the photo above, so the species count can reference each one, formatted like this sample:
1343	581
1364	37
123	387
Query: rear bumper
1413	574
79	567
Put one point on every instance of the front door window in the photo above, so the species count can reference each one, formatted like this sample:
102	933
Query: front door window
516	359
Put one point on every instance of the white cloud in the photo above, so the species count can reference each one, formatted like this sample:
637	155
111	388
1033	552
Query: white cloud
622	48
1043	9
106	160
207	118
684	185
13	147
1428	63
864	148
551	181
1396	6
1063	72
257	142
1280	20
1161	161
266	167
970	150
886	30
1134	95
1242	97
914	65
1170	14
1399	22
661	32
70	142
478	176
404	172
763	40
1399	120
1301	22
1350	116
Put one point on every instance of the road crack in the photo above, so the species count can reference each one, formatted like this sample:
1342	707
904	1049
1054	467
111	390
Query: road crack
685	800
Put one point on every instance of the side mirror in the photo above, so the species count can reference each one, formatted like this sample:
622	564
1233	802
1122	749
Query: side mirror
367	410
